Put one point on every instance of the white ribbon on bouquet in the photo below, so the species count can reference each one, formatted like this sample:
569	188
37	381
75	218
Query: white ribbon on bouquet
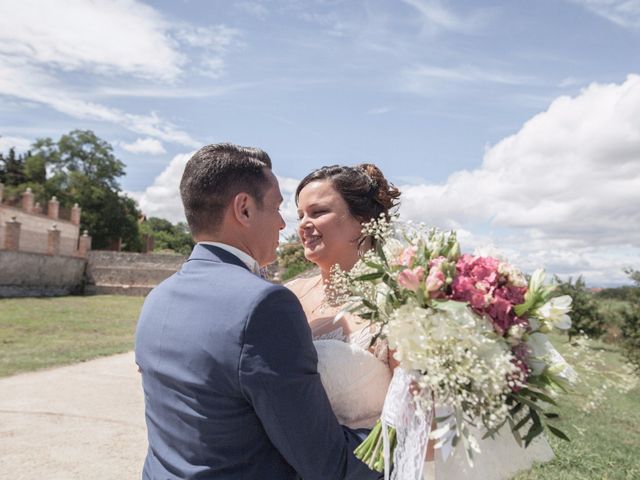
412	430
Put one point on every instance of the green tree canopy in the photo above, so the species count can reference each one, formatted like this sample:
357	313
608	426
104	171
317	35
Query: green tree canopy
631	323
79	168
168	237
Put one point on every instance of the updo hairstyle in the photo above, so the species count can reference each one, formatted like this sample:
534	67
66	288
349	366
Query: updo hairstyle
364	188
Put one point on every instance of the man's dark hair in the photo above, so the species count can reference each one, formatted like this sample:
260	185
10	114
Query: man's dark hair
214	175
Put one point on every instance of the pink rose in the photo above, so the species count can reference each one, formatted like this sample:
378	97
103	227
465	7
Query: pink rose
435	280
407	257
437	262
411	278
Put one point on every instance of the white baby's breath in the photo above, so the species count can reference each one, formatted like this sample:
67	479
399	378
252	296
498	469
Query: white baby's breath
465	366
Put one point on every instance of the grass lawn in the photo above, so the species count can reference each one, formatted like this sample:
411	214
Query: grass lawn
38	333
605	443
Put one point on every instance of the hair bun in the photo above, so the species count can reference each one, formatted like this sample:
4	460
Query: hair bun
385	193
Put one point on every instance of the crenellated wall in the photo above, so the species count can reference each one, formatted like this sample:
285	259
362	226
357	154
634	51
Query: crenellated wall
25	228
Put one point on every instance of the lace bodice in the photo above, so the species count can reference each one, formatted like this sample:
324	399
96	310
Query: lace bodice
348	328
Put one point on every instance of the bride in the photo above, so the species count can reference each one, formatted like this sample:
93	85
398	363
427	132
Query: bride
333	203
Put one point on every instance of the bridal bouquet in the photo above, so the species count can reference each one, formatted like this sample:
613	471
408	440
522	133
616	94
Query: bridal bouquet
468	330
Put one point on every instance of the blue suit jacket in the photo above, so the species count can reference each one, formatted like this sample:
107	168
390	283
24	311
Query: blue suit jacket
230	380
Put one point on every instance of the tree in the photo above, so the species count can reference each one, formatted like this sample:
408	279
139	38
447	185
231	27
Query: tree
80	168
631	324
585	314
634	275
291	259
12	168
166	236
19	172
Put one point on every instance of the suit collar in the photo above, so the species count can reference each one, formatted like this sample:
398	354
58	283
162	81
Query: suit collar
212	253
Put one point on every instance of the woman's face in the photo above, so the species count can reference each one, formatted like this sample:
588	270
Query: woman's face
327	230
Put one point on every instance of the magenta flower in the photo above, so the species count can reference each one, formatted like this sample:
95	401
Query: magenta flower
464	289
479	268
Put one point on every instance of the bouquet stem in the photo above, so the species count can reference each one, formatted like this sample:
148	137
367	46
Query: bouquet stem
371	451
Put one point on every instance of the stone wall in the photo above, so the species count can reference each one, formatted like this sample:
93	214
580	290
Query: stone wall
33	274
126	273
34	231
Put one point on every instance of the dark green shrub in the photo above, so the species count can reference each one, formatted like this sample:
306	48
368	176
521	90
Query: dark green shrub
291	260
631	335
585	315
631	325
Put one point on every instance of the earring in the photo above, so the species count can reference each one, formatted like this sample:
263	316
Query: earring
361	246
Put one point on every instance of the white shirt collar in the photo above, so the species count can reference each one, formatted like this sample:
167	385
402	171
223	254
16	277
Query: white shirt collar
247	259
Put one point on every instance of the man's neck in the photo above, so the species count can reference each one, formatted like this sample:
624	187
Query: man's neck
228	239
246	258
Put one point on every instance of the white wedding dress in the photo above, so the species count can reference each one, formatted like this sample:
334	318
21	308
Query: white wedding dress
356	382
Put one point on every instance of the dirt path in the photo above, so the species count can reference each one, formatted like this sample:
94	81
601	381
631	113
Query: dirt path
84	421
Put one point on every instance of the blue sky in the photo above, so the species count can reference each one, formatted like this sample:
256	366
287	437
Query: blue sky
515	122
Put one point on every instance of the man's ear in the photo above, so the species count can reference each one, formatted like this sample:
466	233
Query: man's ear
243	208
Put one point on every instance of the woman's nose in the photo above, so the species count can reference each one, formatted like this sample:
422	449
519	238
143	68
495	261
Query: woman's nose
304	222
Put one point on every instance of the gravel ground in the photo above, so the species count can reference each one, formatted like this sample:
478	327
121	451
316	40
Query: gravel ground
84	421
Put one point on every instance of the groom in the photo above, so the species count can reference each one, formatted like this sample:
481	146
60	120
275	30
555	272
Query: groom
227	361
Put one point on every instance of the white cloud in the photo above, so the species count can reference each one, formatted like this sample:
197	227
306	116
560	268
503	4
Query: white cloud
254	8
172	92
378	110
213	42
437	17
121	36
145	145
20	144
21	80
162	197
563	191
41	42
625	13
429	79
107	37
